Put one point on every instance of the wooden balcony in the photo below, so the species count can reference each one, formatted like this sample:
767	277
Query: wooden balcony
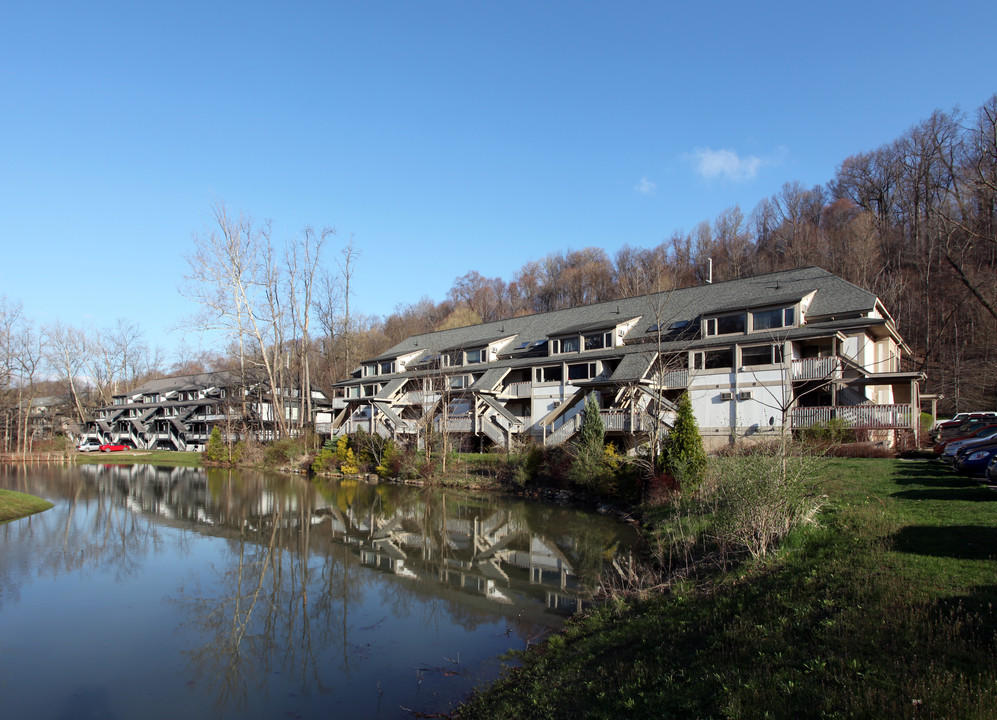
820	368
518	390
872	417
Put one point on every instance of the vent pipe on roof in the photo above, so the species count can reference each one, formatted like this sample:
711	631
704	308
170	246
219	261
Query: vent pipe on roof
709	272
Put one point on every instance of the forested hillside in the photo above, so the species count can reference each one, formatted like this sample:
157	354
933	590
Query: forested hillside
913	221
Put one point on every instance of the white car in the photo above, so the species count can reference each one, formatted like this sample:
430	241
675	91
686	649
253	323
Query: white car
89	446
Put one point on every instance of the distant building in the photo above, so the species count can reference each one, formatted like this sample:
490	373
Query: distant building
47	416
788	349
179	413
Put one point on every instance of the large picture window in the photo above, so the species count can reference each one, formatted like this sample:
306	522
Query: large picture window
761	355
714	359
773	319
549	374
581	371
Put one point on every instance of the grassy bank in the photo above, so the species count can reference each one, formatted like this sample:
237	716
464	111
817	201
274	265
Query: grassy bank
886	610
15	505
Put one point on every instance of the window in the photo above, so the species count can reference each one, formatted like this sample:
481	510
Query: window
772	319
569	345
387	368
551	373
761	355
581	371
597	341
713	359
474	357
459	382
725	324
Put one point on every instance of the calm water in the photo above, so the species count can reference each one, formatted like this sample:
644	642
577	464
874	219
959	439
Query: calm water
173	592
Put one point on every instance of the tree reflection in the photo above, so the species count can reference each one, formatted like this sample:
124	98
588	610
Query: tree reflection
290	602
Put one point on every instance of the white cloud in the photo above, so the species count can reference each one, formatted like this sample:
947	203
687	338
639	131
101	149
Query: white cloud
645	186
725	164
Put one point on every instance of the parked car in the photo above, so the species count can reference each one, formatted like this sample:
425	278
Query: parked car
88	446
968	433
975	461
113	447
960	423
990	475
953	447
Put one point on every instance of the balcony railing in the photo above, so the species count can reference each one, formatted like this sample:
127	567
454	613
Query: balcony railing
518	390
672	379
874	417
819	368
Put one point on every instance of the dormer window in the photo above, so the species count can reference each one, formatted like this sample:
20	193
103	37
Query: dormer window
473	357
597	341
726	324
387	368
773	319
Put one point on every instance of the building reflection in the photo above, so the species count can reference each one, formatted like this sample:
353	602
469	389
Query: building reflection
485	549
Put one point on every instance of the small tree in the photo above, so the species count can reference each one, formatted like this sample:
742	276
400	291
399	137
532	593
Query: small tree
589	467
216	451
684	456
345	457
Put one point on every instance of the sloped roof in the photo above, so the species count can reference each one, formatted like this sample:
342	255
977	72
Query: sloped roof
833	297
178	383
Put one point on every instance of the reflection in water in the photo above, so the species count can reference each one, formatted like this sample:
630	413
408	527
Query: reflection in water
286	592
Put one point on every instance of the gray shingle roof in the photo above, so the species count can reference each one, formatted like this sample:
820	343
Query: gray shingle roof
834	296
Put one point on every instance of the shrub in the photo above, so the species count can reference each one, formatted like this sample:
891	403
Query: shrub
834	431
216	451
523	467
284	452
759	495
660	489
345	457
589	467
325	461
683	456
389	462
219	452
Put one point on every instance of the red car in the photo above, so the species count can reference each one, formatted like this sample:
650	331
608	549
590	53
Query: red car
113	448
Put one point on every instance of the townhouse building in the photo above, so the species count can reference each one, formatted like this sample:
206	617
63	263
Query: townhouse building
179	413
757	356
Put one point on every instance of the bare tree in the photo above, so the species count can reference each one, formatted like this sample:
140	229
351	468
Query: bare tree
302	259
67	351
231	276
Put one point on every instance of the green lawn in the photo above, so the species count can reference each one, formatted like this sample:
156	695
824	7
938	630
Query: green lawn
15	505
883	611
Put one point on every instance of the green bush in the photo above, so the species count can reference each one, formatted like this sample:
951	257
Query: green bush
284	452
523	468
589	468
217	450
345	457
833	432
683	456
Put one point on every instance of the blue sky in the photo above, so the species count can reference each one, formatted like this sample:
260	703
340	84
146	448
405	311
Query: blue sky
445	136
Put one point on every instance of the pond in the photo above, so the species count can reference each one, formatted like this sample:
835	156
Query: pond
175	592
